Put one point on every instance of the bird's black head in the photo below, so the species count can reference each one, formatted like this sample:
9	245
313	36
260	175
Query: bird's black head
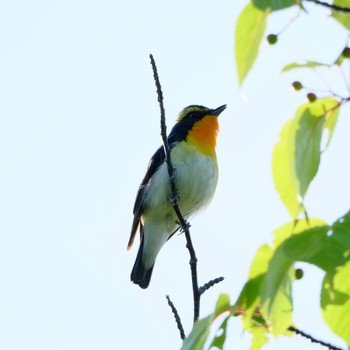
188	117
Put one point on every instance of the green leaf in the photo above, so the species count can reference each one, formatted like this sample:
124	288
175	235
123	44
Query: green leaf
296	156
200	332
265	302
326	246
340	59
335	301
259	338
274	5
276	292
307	146
293	228
249	298
220	337
198	336
341	233
331	120
310	122
308	64
283	169
342	17
276	288
250	30
311	246
222	305
335	294
261	261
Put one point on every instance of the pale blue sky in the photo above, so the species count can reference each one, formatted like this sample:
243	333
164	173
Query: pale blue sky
79	121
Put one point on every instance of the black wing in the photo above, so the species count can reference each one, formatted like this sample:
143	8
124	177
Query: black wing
154	164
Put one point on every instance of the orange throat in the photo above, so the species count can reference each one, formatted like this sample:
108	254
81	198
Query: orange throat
203	134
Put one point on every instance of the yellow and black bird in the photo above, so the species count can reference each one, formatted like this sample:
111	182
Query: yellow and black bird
192	141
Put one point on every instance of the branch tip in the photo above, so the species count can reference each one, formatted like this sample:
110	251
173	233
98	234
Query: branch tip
330	6
312	339
177	318
210	284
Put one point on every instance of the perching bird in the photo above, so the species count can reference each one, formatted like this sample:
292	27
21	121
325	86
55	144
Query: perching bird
192	141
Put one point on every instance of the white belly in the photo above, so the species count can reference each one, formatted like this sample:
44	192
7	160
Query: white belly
196	179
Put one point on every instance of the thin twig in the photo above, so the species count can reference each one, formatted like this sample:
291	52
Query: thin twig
175	197
312	339
177	318
174	193
331	6
211	283
290	328
193	265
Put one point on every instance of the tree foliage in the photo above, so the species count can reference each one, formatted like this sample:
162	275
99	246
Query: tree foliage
265	304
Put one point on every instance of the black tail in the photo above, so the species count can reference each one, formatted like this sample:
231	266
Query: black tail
139	274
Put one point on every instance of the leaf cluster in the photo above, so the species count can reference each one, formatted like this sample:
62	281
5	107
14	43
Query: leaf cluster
265	303
251	25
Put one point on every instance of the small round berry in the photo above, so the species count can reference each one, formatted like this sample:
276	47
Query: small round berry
297	85
346	52
272	39
311	97
299	273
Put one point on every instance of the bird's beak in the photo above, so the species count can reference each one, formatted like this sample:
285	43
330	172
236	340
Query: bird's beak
218	110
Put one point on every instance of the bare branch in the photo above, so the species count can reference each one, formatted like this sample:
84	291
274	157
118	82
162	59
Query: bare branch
331	6
312	339
177	318
211	283
175	197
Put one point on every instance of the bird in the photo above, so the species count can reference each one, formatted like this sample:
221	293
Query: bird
192	143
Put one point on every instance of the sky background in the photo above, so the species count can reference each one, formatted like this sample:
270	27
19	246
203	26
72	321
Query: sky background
79	120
